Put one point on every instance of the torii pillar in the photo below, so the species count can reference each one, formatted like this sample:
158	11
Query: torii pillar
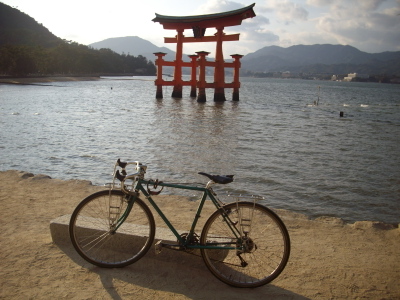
177	91
236	82
193	82
219	71
159	81
201	84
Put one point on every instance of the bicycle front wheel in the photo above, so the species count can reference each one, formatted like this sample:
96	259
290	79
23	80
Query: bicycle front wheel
248	245
99	237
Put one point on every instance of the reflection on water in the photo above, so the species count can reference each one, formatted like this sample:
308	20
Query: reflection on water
188	133
301	157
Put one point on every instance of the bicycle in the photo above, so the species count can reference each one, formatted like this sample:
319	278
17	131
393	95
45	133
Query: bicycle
243	243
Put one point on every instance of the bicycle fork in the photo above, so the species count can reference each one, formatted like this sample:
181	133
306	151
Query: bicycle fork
115	209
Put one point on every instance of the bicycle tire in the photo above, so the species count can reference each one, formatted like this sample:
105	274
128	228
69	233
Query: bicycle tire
268	245
91	236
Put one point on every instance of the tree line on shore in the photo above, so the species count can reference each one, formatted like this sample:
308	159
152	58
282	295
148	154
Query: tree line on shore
69	58
27	48
383	78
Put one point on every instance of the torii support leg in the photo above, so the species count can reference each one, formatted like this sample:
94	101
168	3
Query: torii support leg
159	80
202	76
193	91
177	91
159	94
219	73
236	83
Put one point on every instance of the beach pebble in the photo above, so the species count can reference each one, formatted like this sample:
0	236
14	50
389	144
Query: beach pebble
330	220
373	224
25	175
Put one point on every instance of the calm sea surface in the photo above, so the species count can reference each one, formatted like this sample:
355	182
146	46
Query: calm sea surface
301	157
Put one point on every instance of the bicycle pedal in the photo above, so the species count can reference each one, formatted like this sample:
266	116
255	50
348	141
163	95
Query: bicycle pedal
158	247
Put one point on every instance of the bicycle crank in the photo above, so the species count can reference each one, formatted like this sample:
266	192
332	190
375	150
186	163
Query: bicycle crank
159	245
243	263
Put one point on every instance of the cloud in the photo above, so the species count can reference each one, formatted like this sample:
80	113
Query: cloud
370	25
217	6
285	11
362	4
365	24
257	32
255	29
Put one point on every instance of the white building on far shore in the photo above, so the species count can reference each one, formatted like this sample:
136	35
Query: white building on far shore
351	76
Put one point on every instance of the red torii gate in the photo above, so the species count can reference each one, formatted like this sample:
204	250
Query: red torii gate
199	24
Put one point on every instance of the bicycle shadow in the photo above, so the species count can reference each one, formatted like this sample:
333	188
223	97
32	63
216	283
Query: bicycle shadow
176	273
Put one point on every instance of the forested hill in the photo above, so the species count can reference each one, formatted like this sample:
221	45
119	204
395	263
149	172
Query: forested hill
29	48
17	28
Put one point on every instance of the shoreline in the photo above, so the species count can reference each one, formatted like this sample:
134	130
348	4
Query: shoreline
45	79
329	259
42	80
361	224
320	218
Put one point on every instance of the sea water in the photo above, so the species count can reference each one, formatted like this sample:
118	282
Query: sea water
275	140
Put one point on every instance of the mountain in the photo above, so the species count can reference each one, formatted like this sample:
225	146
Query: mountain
334	59
315	59
135	46
17	28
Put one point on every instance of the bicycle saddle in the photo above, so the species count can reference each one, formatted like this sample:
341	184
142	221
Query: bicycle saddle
221	179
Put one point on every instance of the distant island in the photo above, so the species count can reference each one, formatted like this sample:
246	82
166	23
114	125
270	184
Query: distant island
328	62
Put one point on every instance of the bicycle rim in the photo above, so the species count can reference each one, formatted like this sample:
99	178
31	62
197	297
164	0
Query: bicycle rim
262	248
92	235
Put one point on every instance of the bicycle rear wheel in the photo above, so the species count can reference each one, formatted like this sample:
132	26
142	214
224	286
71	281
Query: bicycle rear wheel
255	257
93	230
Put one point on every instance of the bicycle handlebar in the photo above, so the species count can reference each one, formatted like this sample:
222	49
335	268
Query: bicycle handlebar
121	163
123	175
140	168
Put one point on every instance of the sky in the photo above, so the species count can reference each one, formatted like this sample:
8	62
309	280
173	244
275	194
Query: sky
369	25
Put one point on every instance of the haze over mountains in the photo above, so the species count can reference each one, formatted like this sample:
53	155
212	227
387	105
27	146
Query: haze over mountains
32	41
331	59
334	59
133	45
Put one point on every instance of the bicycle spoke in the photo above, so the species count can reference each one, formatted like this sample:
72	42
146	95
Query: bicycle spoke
261	251
92	229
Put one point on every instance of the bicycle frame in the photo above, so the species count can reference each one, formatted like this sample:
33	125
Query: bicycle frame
207	193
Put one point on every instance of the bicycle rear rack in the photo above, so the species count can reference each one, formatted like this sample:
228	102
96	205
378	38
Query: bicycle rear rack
244	197
245	222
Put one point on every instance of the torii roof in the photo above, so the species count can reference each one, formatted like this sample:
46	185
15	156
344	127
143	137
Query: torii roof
229	18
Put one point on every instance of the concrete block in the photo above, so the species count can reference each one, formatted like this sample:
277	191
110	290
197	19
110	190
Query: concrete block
60	234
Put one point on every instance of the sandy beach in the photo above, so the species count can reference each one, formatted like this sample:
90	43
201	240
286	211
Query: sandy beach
329	259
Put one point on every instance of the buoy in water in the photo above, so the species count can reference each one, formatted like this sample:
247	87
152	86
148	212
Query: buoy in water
341	114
